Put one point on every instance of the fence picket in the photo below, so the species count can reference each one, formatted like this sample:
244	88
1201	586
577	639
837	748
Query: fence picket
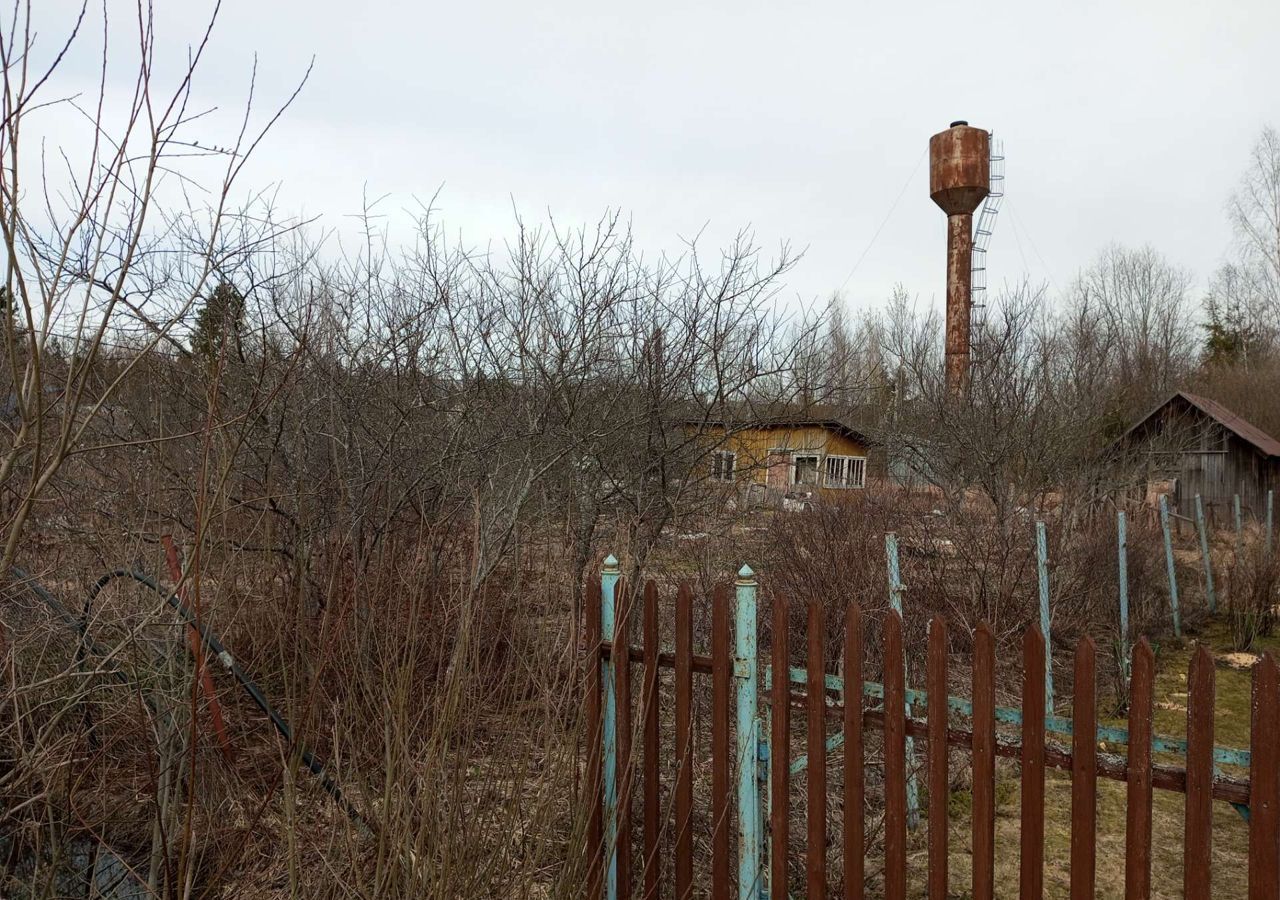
626	763
1197	852
1137	863
939	777
1264	787
649	701
815	726
721	677
895	761
854	839
1084	772
780	754
684	743
1031	878
984	763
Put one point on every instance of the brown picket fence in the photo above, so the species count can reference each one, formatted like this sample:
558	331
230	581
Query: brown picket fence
664	863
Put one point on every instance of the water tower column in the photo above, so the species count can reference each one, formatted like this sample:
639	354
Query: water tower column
959	294
959	178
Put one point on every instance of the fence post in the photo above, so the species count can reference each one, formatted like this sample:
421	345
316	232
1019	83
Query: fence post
609	575
1168	559
1204	553
746	670
1122	551
895	602
1239	527
1042	570
895	574
1271	497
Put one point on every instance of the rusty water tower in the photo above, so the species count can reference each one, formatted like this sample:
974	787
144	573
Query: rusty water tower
959	179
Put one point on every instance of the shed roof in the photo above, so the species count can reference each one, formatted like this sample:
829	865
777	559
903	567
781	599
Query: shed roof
1242	429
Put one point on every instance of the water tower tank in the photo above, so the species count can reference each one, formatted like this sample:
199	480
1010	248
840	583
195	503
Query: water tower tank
959	168
959	178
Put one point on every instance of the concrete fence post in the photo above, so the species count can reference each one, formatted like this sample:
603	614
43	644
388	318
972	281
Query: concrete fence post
1168	559
1239	528
1209	592
1271	498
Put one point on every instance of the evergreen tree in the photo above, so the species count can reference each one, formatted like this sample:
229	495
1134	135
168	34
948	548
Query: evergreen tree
219	321
1238	332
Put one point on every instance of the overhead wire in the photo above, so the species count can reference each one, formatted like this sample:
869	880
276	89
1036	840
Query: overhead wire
1030	240
892	209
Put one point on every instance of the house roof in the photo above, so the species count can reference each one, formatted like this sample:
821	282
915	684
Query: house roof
1247	432
784	419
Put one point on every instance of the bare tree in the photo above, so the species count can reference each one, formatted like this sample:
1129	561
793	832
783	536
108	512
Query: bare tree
1130	311
104	252
1254	212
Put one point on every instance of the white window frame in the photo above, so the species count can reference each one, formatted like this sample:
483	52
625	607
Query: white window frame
718	469
817	467
853	467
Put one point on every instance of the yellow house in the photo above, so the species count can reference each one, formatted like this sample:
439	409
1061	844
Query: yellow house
786	454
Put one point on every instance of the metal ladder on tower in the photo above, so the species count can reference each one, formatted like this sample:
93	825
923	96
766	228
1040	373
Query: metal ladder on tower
981	238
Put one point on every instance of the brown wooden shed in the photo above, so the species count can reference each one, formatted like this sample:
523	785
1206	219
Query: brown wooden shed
1210	451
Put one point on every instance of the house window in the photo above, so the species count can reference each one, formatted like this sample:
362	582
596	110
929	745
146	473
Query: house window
722	465
804	470
846	472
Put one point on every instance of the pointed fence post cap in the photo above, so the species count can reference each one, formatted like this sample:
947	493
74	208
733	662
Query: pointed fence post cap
611	563
746	574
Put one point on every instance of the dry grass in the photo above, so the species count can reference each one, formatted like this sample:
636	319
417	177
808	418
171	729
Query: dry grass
457	743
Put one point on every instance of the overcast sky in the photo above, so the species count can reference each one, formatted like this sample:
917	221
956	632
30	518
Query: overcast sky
805	122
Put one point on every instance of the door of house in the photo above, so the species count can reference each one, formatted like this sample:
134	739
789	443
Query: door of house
778	469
